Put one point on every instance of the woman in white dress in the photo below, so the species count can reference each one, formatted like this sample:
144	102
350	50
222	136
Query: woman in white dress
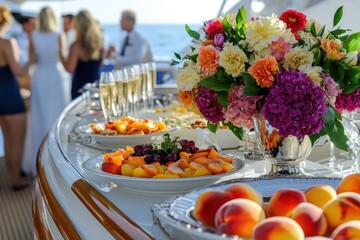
50	86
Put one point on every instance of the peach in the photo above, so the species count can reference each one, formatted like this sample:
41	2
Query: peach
284	201
238	217
275	228
318	238
349	230
207	204
344	208
242	190
350	183
320	194
111	167
310	218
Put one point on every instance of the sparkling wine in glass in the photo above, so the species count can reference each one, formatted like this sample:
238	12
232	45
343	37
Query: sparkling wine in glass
151	83
107	95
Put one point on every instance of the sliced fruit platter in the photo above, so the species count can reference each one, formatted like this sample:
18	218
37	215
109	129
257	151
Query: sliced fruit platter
172	159
174	165
267	208
125	131
128	126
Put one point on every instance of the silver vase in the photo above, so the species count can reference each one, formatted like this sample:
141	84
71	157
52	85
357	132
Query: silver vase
284	154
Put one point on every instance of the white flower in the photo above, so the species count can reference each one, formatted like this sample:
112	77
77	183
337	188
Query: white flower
232	59
351	58
188	77
261	32
313	73
298	57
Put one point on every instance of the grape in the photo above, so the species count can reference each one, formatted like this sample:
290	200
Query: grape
146	152
157	158
171	157
149	159
184	143
147	147
138	147
196	149
139	153
191	143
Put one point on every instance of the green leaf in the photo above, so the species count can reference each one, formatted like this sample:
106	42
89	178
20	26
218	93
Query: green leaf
352	43
222	97
336	134
213	127
337	71
241	17
251	88
338	32
223	76
177	55
317	56
338	15
239	132
321	32
173	63
225	24
192	33
313	30
329	117
215	84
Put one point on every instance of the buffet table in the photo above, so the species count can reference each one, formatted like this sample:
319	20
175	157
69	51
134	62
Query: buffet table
71	203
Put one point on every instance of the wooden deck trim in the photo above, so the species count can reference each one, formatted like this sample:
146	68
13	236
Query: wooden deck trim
57	213
114	220
41	230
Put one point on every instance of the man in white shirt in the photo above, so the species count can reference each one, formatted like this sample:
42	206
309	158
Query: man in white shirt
28	25
68	30
134	48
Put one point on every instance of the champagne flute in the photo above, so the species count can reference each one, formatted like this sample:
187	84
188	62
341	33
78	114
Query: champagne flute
107	95
131	75
144	78
120	93
151	83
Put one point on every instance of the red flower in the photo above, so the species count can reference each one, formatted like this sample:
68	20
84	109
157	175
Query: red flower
294	20
212	28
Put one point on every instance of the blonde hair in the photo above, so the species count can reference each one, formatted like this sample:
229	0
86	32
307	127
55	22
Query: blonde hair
47	20
5	16
88	33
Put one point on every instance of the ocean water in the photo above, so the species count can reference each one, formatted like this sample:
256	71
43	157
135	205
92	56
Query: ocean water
164	39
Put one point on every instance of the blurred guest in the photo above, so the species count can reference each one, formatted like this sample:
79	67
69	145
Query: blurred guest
134	48
86	52
12	109
68	30
50	83
28	26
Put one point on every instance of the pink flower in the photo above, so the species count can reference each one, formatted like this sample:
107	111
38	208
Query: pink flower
279	48
212	28
241	108
219	41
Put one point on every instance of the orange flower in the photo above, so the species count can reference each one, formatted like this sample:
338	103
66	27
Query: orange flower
264	70
208	60
332	49
187	98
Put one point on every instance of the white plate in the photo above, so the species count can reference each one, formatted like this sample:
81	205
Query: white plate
121	141
174	215
152	185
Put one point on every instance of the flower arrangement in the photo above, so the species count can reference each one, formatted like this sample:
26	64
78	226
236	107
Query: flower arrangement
300	76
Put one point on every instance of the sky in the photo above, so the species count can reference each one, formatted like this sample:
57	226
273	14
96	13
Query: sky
148	11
